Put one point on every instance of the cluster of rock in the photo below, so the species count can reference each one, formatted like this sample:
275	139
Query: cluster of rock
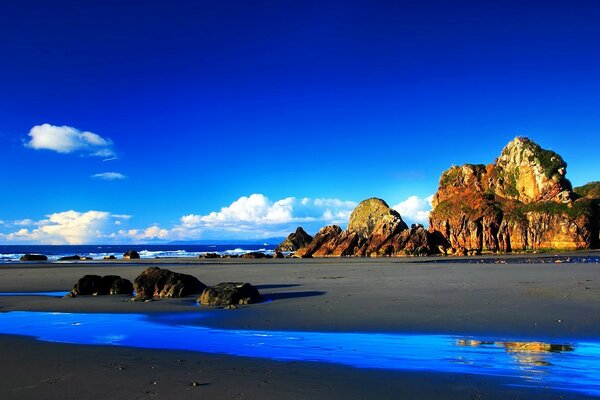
250	255
374	229
33	257
155	282
96	285
521	202
294	241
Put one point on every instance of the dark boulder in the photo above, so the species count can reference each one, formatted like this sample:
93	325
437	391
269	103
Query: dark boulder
70	258
131	254
111	257
210	255
230	293
33	257
278	254
87	285
254	255
96	285
121	286
156	282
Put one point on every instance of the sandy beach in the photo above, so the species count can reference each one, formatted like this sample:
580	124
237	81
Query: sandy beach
538	301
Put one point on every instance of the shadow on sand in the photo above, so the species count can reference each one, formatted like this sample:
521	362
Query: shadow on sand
292	295
276	286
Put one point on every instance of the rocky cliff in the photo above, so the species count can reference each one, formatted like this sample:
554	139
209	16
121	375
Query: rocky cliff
295	241
522	201
374	229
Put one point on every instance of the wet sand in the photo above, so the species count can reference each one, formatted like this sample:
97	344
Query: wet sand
543	301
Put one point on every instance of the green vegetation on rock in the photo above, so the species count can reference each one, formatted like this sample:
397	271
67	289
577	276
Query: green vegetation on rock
590	190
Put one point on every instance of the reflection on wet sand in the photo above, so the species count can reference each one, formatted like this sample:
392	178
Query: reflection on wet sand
526	354
565	367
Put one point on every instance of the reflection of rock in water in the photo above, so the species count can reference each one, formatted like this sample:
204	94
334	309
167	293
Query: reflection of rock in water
526	354
473	343
518	347
536	347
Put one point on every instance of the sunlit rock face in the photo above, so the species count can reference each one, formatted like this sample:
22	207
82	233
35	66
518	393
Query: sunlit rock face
374	230
521	202
295	241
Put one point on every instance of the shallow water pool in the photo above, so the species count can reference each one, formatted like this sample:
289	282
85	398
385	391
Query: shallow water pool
571	366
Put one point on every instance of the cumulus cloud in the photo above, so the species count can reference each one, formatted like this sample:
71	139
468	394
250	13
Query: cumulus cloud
152	232
109	176
253	216
66	139
68	227
258	212
415	209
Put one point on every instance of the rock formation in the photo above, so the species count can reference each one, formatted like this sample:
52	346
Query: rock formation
156	282
374	229
295	241
131	254
254	255
95	285
229	293
521	202
33	257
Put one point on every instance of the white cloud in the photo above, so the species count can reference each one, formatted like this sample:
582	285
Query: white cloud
253	216
152	232
66	139
68	227
258	211
23	222
109	176
415	209
122	216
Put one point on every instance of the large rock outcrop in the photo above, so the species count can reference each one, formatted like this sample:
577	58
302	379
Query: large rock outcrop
374	230
156	282
521	202
295	241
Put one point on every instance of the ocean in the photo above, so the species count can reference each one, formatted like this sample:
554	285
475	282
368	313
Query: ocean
13	253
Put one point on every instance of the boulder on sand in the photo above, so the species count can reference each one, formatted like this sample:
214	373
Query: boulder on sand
96	285
131	254
229	293
33	257
156	282
254	254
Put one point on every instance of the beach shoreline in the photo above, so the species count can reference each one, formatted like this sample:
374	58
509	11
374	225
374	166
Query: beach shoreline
538	301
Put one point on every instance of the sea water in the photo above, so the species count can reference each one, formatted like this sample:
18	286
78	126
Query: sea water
13	253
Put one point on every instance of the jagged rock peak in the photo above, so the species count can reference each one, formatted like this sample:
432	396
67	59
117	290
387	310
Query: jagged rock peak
295	240
524	172
368	214
529	173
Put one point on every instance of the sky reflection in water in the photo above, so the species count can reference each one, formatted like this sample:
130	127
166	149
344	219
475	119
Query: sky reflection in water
565	366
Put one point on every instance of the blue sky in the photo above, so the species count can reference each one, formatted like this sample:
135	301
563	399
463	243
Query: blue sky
272	114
